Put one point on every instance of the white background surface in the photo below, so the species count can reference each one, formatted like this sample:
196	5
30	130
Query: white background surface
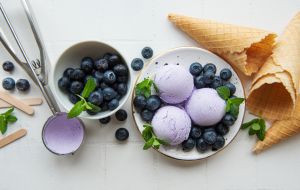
103	163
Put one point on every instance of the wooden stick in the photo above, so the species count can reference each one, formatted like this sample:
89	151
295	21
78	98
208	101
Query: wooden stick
16	103
27	101
12	137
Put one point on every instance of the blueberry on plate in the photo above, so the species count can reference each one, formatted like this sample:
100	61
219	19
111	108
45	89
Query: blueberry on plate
121	115
109	77
210	67
122	88
208	77
101	64
76	87
122	134
64	83
99	75
188	144
73	98
222	129
113	60
225	74
228	119
153	103
8	66
96	98
113	104
78	75
147	115
109	93
201	145
217	82
105	120
199	82
139	102
120	70
87	64
122	79
195	132
106	56
137	64
231	87
195	69
8	83
147	52
22	85
67	73
220	142
210	137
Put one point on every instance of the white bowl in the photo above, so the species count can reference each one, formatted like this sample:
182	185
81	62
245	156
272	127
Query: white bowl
71	57
185	56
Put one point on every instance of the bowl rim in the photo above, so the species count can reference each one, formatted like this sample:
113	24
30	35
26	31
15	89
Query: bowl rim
55	87
151	62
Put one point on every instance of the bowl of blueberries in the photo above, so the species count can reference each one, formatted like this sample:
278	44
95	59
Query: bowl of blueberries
97	61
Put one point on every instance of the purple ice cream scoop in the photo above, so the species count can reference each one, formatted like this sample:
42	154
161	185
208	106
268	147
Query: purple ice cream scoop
175	83
171	124
205	107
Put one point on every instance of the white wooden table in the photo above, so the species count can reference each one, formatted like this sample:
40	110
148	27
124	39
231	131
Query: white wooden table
102	162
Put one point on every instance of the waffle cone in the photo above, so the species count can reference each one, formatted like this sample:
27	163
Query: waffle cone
243	47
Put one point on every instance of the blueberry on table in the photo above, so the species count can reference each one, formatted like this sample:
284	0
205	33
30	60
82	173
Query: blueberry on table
231	87
137	64
220	142
147	115
105	120
210	137
208	77
76	87
67	73
96	98
121	115
217	82
77	75
109	93
188	144
147	52
225	74
222	129
8	66
87	65
210	67
139	102
99	75
195	132
122	134
122	88
8	83
199	82
122	79
22	85
109	77
228	119
201	145
73	98
195	69
113	104
64	83
153	103
101	64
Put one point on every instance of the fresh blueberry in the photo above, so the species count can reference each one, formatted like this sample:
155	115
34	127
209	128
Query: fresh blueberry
225	74
228	119
122	79
147	115
87	64
76	87
113	60
222	129
8	83
99	75
68	72
96	98
103	85
231	87
122	134
113	104
201	145
122	88
90	112
120	70
217	82
101	65
107	56
220	142
195	132
64	83
109	93
188	144
139	102
77	75
73	98
153	103
196	69
22	84
137	64
109	77
121	115
104	106
105	120
8	66
210	67
208	77
210	137
147	52
199	82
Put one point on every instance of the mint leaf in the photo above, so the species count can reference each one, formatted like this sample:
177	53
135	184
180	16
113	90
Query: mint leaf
155	88
255	127
3	123
11	119
248	124
8	112
88	88
234	110
144	87
262	132
223	92
77	109
236	100
93	107
161	141
148	144
156	144
228	106
147	133
150	138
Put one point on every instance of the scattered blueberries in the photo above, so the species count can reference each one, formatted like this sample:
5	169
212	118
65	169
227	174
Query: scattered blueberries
121	115
8	66
196	69
147	52
122	134
188	144
22	85
225	74
105	120
137	64
8	83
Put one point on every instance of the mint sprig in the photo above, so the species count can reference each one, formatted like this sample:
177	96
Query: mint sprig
6	118
232	104
256	127
83	105
144	87
150	138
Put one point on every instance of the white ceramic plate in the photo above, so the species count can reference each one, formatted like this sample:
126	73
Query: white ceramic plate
185	56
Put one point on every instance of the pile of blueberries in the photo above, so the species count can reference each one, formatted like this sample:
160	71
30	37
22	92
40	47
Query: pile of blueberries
110	74
147	106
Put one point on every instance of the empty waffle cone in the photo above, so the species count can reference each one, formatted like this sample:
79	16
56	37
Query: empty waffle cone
276	86
244	47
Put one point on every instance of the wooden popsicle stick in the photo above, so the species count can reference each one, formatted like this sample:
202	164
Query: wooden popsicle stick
12	137
16	103
27	101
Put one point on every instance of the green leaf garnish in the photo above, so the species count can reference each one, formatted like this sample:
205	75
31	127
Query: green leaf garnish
88	88
6	118
76	109
144	87
256	127
223	92
150	138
